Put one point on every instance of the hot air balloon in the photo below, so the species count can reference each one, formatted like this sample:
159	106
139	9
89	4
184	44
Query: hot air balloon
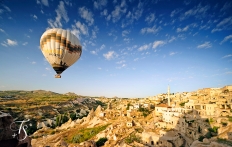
61	48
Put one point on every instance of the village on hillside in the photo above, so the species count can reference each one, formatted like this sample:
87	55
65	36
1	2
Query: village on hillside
188	119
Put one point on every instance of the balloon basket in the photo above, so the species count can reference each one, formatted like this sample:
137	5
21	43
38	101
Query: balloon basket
57	76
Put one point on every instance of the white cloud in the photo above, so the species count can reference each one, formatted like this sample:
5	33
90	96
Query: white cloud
136	59
172	53
93	52
4	44
104	12
47	68
94	32
33	62
44	2
99	4
150	18
122	66
133	15
34	17
79	29
174	12
172	39
82	27
150	30
198	11
227	56
118	11
125	33
205	45
178	30
99	68
61	13
87	15
11	42
127	40
25	43
121	62
144	47
110	55
225	22
229	37
158	43
102	46
216	30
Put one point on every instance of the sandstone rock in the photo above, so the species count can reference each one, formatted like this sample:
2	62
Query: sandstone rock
205	140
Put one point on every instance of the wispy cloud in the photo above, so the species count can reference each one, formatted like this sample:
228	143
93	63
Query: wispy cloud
152	30
133	15
121	62
198	12
93	52
172	53
136	59
61	13
44	2
172	39
79	29
110	55
1	30
34	17
178	30
229	37
7	8
104	12
9	42
87	15
125	33
33	62
225	24
144	47
122	66
227	56
25	43
158	43
150	18
227	6
99	4
174	12
118	11
205	45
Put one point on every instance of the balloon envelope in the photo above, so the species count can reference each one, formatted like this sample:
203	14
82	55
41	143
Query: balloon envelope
61	48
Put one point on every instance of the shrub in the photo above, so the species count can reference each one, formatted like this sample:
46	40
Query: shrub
201	138
101	142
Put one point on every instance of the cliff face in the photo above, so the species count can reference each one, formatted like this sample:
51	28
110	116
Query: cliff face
12	135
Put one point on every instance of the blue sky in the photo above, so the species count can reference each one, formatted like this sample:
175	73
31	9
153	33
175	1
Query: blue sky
131	48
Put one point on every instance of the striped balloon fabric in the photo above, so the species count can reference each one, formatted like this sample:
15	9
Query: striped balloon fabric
61	48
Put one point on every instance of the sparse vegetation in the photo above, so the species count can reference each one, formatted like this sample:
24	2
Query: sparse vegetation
131	138
145	111
84	134
182	104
